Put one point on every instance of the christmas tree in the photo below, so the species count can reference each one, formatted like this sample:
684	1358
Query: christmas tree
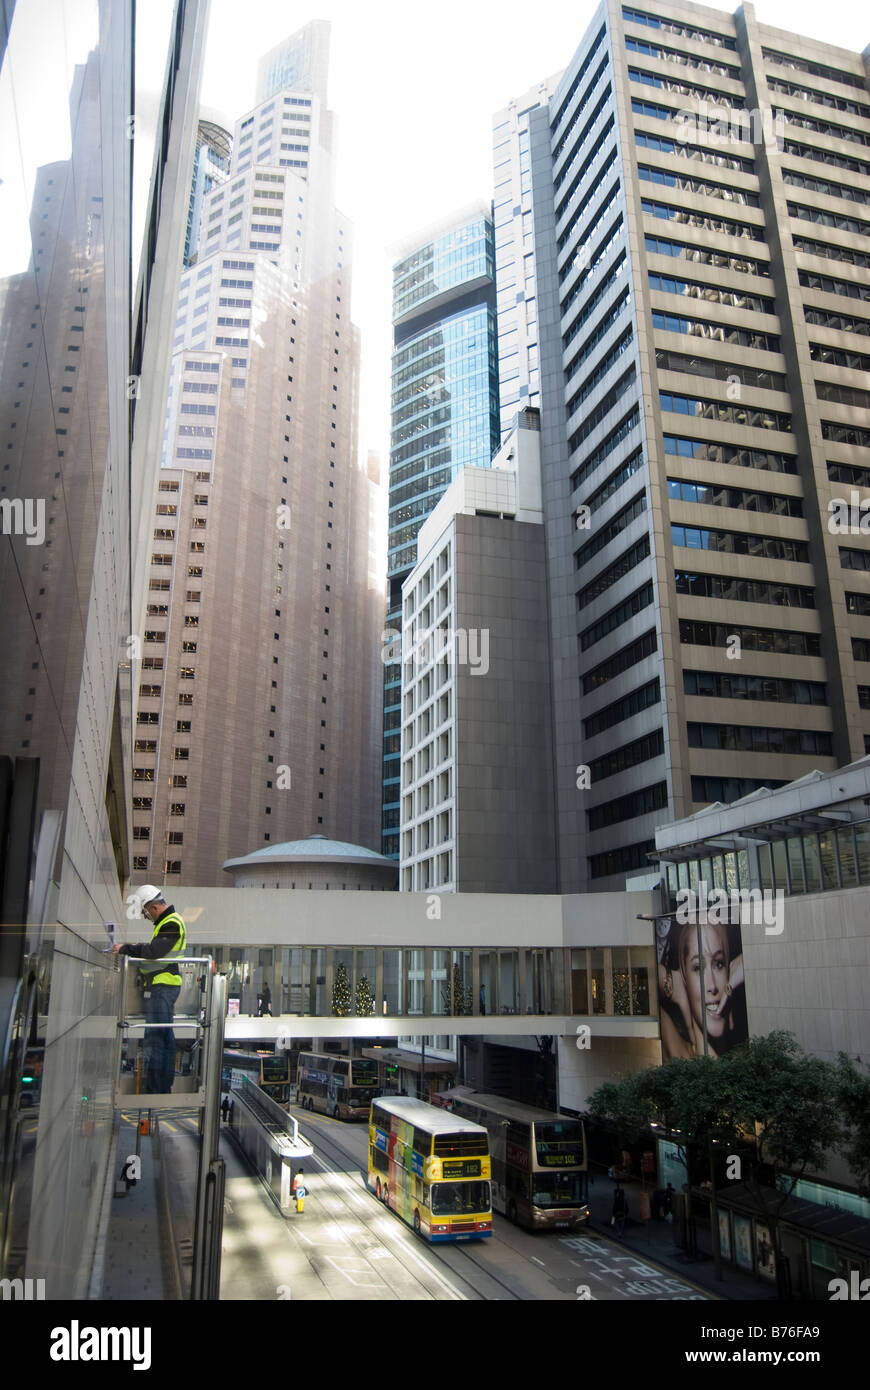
364	1004
456	998
341	992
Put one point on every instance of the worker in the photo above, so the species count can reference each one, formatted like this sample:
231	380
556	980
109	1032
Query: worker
162	985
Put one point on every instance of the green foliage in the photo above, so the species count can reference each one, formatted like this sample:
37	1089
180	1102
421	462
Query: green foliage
364	1004
853	1096
455	997
341	1000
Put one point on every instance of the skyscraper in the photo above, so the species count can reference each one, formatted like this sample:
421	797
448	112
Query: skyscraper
697	201
258	700
444	415
211	165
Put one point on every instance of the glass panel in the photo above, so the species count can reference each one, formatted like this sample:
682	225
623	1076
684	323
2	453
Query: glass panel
393	981
743	868
440	987
846	852
765	868
621	981
599	996
705	872
811	863
862	850
509	982
828	860
731	872
414	963
580	981
794	850
693	875
779	865
683	873
718	871
641	966
488	1002
672	884
364	982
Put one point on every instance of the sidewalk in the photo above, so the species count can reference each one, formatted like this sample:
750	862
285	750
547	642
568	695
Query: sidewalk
654	1241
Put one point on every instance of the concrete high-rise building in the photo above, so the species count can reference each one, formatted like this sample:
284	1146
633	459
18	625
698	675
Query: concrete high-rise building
69	355
444	415
259	691
697	203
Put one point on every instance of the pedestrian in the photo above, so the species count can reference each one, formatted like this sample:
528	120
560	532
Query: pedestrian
266	1002
225	1107
620	1210
299	1190
668	1203
162	985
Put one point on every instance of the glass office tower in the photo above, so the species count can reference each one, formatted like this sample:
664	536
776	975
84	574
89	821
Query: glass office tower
444	414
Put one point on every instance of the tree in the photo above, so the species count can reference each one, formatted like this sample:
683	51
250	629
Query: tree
341	1000
364	1004
455	997
786	1104
853	1096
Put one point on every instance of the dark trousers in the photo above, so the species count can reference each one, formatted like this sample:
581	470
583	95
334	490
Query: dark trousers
160	1042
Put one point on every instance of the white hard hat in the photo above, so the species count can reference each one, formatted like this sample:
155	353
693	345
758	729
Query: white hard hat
147	893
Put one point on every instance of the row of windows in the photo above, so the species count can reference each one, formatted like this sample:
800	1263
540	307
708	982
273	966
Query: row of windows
785	60
601	252
715	332
605	448
850	289
833	190
687	89
697	289
629	608
725	226
702	188
569	95
733	589
726	414
621	860
753	639
744	264
843	395
626	470
584	136
640	750
740	543
829	219
846	323
672	26
607	533
727	789
848	473
629	560
854	559
603	409
717	495
635	702
715	370
838	161
839	357
637	803
623	660
683	150
845	434
725	685
748	738
673	55
839	132
581	210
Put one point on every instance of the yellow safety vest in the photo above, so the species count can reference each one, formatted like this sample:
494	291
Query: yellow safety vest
156	970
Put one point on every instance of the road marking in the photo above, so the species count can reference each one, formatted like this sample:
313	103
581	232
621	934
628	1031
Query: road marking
535	1259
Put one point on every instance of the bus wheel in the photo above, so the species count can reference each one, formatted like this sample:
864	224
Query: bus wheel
386	1195
378	1189
416	1223
311	1104
512	1213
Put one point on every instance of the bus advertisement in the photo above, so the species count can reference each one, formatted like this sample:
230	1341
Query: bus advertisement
432	1169
343	1087
269	1070
539	1160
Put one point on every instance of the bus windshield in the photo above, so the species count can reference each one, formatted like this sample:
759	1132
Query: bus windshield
557	1189
364	1072
455	1198
559	1145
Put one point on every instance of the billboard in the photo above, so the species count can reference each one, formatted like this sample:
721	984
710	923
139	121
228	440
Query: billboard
702	996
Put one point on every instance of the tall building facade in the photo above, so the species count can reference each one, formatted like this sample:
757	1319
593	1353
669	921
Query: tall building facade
69	354
211	164
698	205
259	688
444	415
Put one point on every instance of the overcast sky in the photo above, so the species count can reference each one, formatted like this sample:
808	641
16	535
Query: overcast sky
415	88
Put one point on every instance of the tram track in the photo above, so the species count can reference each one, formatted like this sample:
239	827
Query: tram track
448	1257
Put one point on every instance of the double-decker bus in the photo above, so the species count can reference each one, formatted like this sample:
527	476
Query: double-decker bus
270	1070
539	1160
343	1087
431	1168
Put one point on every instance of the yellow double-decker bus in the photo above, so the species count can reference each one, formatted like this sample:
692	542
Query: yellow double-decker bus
431	1168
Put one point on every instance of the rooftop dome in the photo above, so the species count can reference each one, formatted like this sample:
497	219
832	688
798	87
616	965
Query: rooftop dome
317	849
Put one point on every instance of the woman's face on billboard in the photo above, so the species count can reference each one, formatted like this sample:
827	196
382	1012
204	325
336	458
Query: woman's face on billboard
714	956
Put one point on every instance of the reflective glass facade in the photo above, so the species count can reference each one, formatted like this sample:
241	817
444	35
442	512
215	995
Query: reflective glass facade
444	415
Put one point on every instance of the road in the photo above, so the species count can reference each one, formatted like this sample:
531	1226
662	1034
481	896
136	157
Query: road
346	1245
